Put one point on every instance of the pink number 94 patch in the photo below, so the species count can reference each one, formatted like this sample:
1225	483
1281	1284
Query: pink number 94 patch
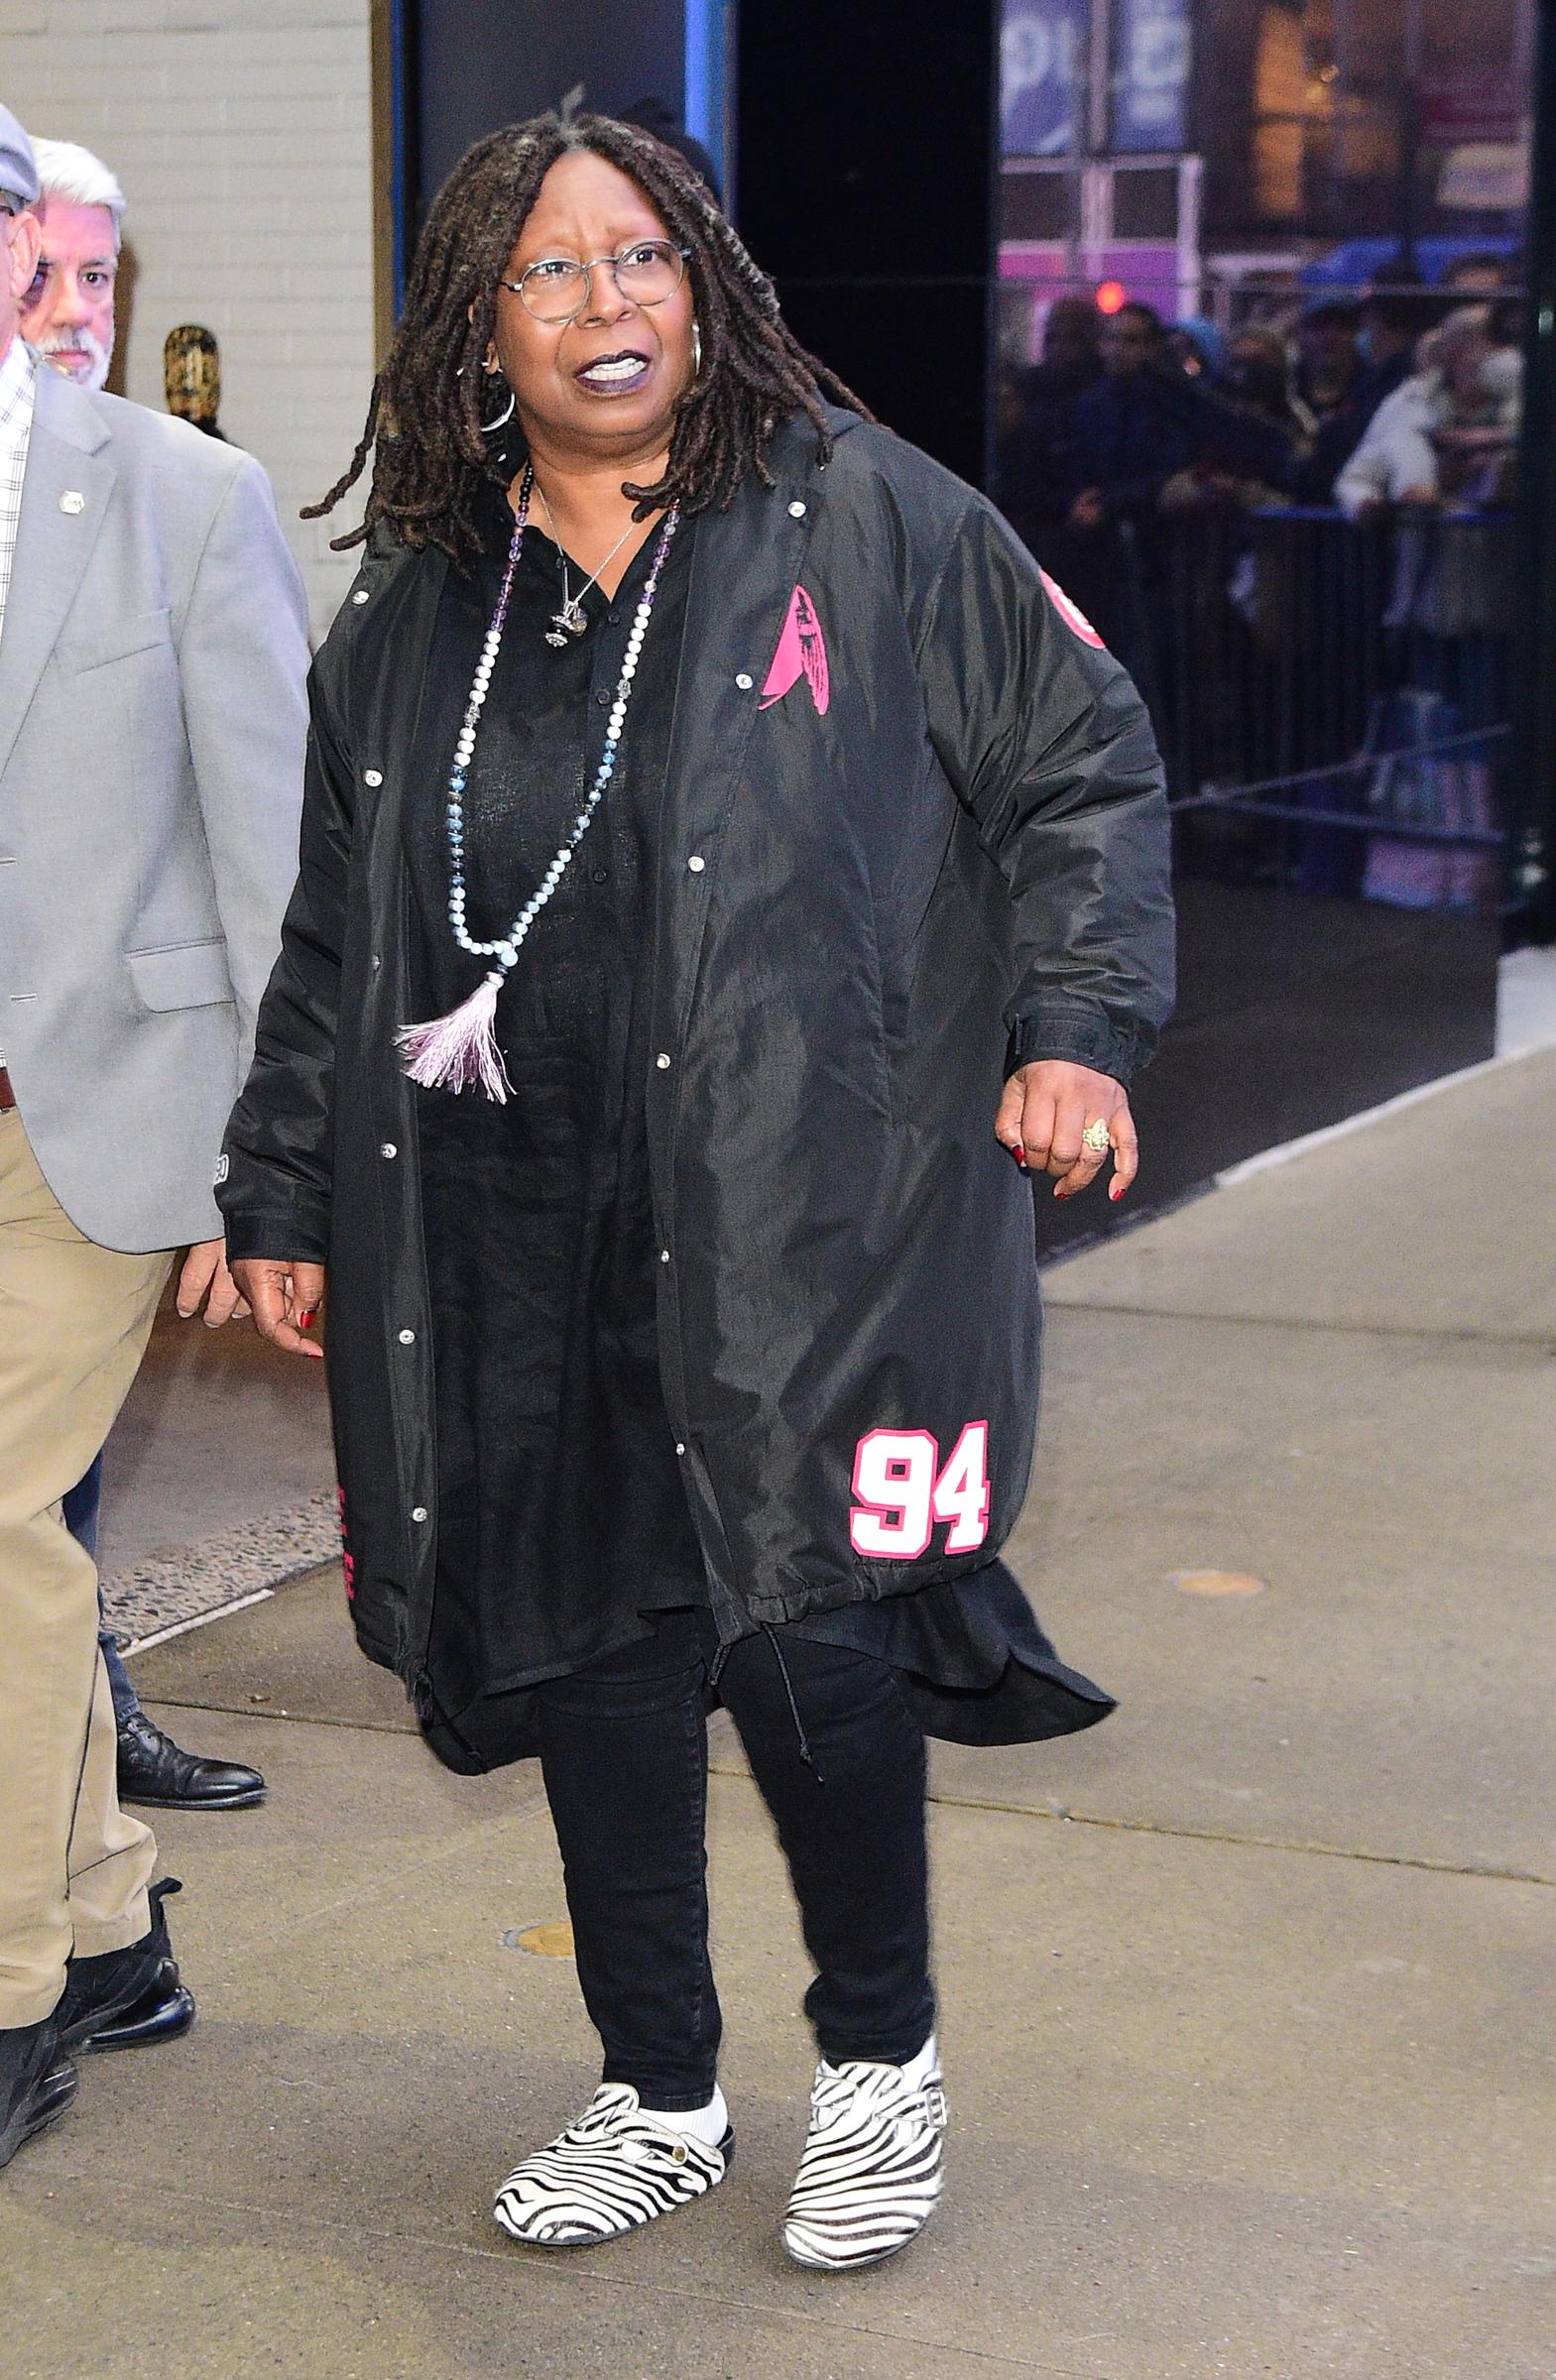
902	1489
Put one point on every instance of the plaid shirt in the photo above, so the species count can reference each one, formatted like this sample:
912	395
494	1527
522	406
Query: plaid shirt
18	381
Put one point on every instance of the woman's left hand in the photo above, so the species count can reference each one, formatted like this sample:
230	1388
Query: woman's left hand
1044	1112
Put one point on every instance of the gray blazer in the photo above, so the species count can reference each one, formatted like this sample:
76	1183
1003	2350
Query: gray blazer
152	730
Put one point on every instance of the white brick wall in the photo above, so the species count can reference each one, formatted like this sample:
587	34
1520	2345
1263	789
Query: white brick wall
240	131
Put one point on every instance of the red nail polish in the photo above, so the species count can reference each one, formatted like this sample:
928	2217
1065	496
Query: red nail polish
308	1317
1116	1192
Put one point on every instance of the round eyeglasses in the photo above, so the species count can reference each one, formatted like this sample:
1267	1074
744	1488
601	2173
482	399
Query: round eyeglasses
558	288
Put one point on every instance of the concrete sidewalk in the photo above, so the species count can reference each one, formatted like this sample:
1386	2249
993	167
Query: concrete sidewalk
1248	1994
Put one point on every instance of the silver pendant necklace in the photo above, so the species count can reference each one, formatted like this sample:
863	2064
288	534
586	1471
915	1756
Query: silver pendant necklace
570	621
460	1052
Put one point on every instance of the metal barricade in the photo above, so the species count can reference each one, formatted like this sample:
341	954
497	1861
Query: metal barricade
1332	697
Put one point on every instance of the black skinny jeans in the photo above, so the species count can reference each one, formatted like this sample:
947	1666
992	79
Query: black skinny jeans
624	1754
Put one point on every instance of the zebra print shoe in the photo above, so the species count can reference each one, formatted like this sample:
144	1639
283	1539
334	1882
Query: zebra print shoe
873	2164
610	2171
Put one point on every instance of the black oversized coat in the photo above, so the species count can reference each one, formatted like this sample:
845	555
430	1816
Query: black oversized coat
914	833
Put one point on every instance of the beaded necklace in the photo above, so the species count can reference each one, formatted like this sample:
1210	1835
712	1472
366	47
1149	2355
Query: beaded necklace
460	1052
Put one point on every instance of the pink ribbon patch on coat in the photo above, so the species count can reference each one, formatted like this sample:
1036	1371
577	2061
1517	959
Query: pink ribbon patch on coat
801	648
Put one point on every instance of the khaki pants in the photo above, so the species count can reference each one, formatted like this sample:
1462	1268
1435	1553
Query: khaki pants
74	1319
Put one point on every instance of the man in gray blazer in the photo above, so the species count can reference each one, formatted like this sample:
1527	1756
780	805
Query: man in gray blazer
67	318
152	666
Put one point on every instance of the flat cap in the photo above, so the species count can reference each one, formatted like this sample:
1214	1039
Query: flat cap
17	166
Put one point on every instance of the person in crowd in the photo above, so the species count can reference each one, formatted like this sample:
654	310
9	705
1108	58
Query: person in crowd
1327	338
1071	359
1251	439
1327	342
1508	320
67	318
730	878
152	719
1034	428
1259	378
1448	433
67	313
1285	600
1135	429
1482	273
1200	348
1394	318
1150	444
1148	422
1439	452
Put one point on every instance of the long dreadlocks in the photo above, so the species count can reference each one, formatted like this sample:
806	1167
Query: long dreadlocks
424	415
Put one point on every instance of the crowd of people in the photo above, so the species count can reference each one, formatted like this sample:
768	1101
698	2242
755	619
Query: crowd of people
1193	490
1126	419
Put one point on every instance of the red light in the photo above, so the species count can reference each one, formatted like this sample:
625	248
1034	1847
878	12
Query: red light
1111	296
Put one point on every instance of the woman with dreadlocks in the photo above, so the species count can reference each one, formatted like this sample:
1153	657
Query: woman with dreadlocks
726	867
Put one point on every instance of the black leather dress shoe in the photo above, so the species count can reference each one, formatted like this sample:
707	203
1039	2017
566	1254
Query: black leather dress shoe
123	2000
163	2014
153	1770
37	2082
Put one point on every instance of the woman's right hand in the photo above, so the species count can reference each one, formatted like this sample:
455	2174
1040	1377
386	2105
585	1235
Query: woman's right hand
282	1295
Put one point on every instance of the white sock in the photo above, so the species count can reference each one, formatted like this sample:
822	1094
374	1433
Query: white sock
918	2071
707	2124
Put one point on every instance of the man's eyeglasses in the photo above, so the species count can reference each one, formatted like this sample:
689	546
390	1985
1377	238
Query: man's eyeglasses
558	288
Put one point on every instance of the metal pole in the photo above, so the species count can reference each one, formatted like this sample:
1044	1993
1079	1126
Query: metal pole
1191	285
1099	79
1410	132
1080	131
1531	792
1343	60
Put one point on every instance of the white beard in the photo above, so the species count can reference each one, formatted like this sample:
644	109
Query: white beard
98	357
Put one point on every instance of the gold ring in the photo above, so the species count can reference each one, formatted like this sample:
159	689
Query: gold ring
1096	1139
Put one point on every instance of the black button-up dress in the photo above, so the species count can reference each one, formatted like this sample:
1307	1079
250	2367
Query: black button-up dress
563	1527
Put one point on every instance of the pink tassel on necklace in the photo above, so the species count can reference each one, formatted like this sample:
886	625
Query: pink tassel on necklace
460	1052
